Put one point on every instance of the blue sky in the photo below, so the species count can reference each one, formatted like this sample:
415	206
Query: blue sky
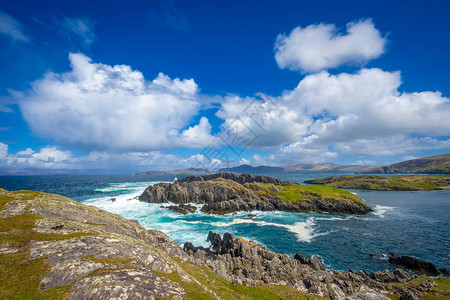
121	86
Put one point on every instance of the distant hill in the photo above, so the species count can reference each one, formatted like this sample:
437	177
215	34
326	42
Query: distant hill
439	164
252	170
189	171
302	168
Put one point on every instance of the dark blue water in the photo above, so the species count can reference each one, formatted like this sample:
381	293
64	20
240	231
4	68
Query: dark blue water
406	223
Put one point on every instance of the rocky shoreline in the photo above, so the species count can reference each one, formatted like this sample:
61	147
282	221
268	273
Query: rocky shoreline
230	192
53	247
244	262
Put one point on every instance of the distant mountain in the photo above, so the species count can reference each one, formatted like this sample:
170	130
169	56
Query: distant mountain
251	170
302	168
439	164
34	171
189	171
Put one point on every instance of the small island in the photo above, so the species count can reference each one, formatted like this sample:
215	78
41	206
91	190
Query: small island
229	192
382	183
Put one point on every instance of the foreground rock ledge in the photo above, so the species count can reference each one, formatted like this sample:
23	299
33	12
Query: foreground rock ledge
228	192
53	247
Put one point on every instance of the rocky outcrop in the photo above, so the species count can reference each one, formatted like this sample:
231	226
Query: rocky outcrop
383	183
182	208
229	192
53	247
99	255
239	178
416	265
244	262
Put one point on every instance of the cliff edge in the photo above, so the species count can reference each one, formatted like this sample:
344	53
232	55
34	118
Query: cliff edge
229	192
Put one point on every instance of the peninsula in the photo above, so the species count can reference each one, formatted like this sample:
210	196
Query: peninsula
383	183
229	192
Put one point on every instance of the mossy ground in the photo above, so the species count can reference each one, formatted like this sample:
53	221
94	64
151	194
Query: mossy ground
19	276
374	182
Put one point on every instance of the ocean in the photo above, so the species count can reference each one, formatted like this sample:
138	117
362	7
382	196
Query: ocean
406	223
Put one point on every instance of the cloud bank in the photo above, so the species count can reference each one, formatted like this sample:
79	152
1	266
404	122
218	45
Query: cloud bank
98	107
346	113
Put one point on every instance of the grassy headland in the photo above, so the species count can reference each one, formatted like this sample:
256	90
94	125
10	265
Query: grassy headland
381	183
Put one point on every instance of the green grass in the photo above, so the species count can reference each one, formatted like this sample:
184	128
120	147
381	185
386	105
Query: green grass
441	291
294	193
375	182
19	276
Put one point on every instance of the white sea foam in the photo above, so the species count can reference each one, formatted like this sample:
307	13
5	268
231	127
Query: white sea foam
380	210
303	230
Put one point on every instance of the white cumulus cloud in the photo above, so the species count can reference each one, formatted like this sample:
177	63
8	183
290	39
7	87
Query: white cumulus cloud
322	46
96	107
330	114
47	157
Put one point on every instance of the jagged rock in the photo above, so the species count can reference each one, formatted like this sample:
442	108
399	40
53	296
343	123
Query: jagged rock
313	262
413	264
229	192
383	276
245	262
316	264
319	290
401	275
302	259
425	286
366	293
126	284
182	208
239	178
410	295
336	292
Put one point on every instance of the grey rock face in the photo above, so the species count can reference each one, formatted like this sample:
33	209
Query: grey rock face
413	264
239	178
126	284
229	192
245	262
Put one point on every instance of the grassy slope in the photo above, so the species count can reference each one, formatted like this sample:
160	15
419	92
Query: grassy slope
374	182
441	291
296	193
20	277
439	164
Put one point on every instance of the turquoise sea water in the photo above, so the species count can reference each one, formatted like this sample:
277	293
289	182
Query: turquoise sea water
406	223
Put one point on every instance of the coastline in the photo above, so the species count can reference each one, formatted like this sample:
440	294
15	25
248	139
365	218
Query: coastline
88	236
